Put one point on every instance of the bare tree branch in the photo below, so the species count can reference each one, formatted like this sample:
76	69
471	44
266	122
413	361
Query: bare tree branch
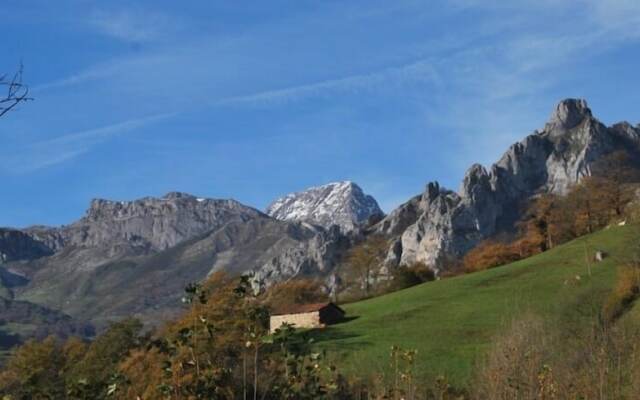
15	92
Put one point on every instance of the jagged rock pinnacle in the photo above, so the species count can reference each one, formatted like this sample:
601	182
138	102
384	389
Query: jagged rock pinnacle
569	113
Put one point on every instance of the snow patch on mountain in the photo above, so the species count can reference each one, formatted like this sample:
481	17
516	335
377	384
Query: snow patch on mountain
340	203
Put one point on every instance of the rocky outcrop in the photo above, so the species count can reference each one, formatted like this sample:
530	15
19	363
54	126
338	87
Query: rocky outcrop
320	252
342	203
440	224
17	245
150	223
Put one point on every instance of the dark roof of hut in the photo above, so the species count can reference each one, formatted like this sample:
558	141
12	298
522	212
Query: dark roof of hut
304	308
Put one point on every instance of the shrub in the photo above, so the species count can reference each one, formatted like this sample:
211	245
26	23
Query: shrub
403	277
489	254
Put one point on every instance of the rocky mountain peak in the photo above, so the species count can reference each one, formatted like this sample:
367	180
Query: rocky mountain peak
177	195
568	114
476	174
339	203
432	190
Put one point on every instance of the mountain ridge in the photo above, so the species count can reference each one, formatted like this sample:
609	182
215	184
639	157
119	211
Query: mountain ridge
440	224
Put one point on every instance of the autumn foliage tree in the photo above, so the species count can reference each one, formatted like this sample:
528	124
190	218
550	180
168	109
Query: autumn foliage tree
615	176
364	262
34	371
282	296
52	369
489	254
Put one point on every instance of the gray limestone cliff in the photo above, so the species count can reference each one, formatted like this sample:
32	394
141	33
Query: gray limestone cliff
441	224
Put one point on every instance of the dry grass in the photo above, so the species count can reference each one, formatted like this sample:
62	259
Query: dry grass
534	360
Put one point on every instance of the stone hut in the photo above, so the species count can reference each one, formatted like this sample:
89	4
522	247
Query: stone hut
316	315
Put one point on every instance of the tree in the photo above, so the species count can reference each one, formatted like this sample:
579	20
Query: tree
405	276
15	92
365	259
92	376
538	224
612	175
195	357
34	372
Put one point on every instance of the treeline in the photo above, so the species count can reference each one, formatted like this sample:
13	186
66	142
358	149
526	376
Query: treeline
603	198
220	349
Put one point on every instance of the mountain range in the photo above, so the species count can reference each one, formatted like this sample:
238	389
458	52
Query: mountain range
132	258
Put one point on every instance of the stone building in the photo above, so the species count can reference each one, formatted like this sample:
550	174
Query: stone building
307	316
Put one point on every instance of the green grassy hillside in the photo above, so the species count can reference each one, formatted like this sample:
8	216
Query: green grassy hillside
452	321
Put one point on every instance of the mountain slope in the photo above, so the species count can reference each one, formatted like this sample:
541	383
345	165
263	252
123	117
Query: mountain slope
441	224
150	286
21	320
341	203
451	322
135	258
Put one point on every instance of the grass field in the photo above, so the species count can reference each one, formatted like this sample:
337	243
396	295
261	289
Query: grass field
452	321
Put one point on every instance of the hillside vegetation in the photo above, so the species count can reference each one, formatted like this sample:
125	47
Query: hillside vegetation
549	324
452	322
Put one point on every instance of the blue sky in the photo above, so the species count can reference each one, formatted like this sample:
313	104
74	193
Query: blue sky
252	100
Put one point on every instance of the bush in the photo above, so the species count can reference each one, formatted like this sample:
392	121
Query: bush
407	276
489	254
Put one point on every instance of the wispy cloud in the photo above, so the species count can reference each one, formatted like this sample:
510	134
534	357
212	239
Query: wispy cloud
95	72
66	147
133	25
421	70
469	85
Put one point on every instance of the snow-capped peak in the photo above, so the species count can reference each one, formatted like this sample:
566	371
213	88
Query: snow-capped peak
338	203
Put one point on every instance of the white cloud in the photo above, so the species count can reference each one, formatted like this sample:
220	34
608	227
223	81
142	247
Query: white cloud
66	147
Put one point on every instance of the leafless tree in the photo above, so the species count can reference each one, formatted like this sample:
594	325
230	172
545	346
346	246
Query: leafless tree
15	92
